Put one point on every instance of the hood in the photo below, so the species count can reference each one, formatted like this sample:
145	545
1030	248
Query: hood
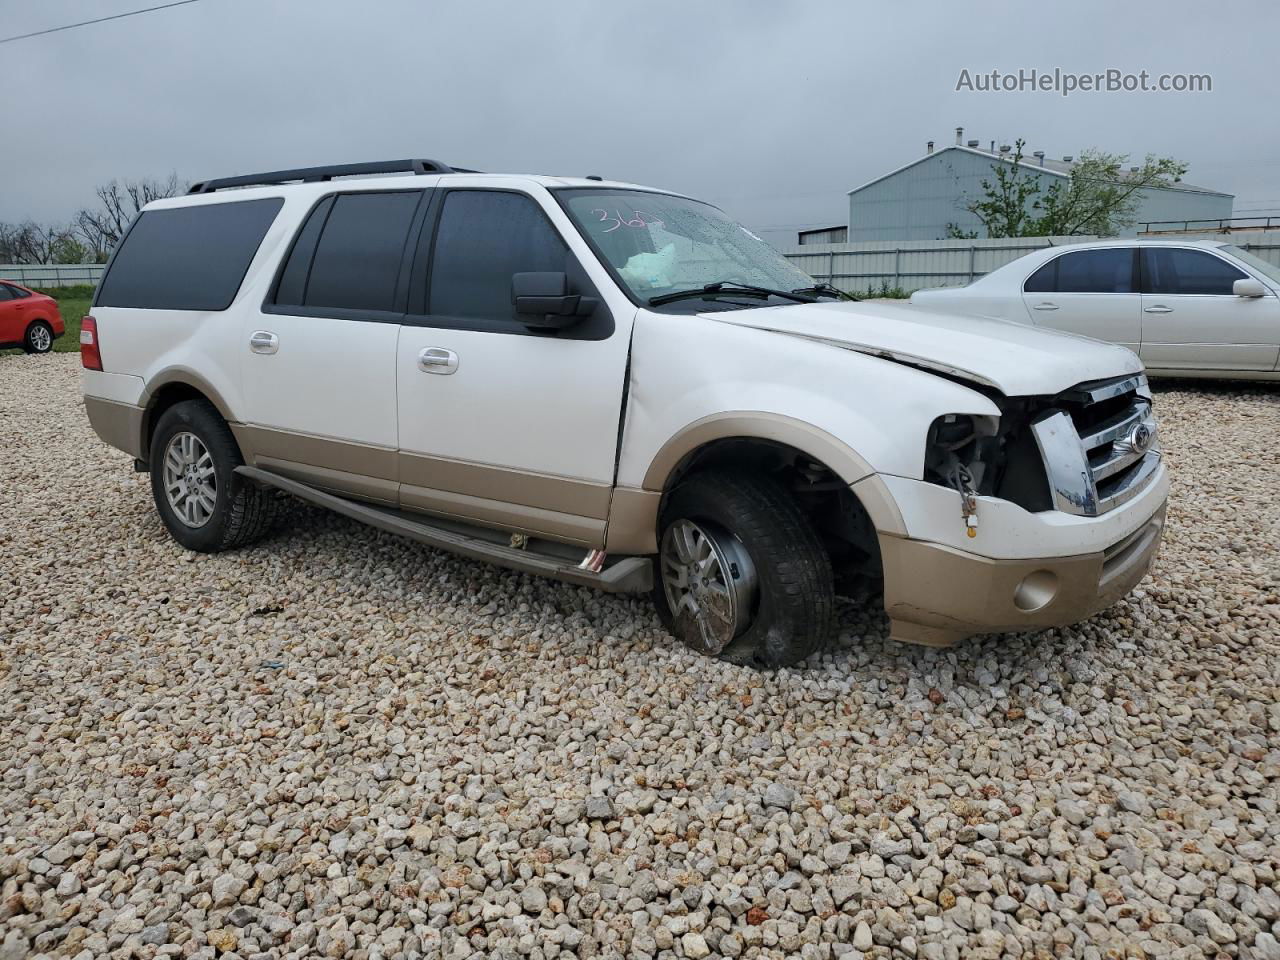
1016	359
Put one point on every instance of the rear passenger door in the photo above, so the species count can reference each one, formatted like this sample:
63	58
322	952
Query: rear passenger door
1090	292
1191	319
319	358
499	423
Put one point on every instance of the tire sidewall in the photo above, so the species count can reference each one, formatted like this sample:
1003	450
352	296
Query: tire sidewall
29	338
758	645
191	417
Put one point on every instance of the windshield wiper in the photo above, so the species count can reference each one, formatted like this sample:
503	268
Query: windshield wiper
826	290
730	287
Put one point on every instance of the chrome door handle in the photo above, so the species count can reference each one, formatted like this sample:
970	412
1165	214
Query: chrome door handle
1045	306
437	360
264	341
1158	308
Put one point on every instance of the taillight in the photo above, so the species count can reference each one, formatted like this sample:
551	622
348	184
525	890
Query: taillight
90	355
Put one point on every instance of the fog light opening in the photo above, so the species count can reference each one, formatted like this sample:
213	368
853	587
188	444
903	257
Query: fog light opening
1036	591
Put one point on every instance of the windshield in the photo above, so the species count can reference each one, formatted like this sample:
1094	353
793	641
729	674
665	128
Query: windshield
1269	270
658	244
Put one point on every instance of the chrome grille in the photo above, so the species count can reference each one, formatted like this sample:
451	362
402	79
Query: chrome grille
1099	445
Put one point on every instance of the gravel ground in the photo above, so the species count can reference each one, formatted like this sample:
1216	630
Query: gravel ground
342	744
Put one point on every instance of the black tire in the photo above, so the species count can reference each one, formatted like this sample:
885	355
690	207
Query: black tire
795	596
34	342
242	512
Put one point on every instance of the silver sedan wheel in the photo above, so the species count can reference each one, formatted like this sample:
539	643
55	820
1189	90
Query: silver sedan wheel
709	582
189	479
41	341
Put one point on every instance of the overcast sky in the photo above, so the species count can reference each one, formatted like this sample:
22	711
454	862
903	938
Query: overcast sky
771	109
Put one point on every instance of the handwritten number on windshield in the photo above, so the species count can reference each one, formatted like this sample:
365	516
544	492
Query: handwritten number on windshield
640	219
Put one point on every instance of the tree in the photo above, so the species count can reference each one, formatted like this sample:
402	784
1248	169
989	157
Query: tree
1009	204
103	225
1099	198
31	242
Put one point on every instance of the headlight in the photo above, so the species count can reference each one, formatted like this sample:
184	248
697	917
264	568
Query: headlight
960	449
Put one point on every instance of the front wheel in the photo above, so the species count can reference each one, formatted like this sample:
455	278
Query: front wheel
39	338
741	572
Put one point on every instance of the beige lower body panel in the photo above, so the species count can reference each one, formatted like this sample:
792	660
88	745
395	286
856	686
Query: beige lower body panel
117	424
558	508
937	595
565	527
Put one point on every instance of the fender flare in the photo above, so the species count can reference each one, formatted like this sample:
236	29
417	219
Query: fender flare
634	515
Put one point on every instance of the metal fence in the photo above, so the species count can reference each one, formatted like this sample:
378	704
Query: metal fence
52	274
913	265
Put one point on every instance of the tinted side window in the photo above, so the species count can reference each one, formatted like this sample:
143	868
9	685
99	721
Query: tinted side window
292	287
1187	272
5	293
1096	271
483	238
1044	280
357	260
18	293
187	258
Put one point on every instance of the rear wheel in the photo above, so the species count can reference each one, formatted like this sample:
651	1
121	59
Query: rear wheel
203	502
741	572
39	338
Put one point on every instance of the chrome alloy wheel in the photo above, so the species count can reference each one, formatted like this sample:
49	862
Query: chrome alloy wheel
189	479
709	582
41	339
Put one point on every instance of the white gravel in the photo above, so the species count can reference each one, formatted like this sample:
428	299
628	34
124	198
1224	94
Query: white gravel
338	743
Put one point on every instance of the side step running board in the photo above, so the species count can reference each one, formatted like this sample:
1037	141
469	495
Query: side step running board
627	575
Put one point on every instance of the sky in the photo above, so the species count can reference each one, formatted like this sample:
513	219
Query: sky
771	109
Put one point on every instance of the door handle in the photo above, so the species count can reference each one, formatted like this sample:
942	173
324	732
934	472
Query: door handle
1045	306
437	360
264	341
1157	308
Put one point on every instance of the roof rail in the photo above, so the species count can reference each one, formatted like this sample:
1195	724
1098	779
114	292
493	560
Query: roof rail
321	174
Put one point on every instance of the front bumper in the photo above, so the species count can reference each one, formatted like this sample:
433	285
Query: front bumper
937	594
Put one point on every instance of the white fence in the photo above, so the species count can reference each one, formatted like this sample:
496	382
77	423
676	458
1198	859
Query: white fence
52	274
914	264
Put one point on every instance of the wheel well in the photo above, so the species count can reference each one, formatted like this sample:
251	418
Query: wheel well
166	397
841	521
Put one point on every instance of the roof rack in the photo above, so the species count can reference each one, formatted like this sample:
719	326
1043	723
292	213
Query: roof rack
321	174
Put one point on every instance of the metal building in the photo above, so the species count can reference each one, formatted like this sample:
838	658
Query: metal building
919	200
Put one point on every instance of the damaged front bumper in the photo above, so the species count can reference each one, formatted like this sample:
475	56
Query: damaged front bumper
938	593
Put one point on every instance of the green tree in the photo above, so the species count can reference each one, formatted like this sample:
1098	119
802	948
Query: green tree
1099	198
1009	204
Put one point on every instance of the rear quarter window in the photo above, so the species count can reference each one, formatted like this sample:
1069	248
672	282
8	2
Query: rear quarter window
187	258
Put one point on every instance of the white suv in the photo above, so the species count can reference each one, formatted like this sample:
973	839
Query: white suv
621	387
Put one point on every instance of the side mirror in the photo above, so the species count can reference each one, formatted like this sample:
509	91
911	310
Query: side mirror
1248	287
543	301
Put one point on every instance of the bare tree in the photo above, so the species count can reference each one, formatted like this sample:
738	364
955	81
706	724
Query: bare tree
31	242
119	202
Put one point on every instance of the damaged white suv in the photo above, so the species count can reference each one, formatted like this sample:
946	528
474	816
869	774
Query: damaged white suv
619	387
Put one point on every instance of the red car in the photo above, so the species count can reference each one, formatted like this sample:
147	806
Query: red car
28	319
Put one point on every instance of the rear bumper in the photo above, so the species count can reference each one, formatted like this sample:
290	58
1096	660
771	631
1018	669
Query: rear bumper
937	594
117	424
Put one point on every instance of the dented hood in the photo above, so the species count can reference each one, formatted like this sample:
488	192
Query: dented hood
1016	359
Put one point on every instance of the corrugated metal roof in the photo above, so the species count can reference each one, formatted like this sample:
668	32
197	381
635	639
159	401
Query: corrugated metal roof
1058	168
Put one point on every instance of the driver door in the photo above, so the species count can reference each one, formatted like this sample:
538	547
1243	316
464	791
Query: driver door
498	423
